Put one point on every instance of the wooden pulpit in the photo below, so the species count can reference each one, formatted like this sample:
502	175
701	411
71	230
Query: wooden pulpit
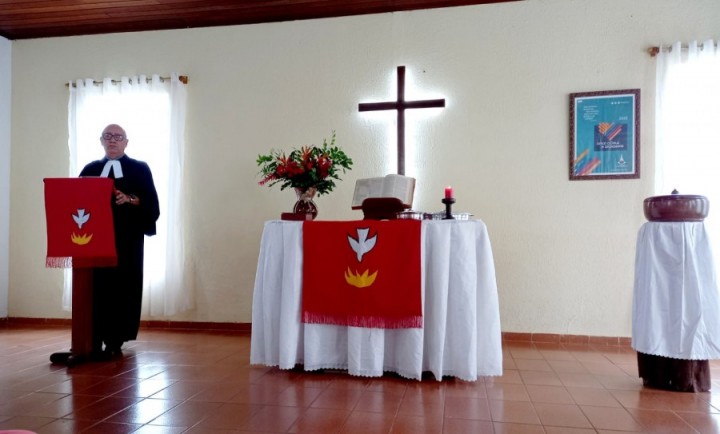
80	235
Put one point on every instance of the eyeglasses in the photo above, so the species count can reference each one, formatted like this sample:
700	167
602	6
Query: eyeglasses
116	137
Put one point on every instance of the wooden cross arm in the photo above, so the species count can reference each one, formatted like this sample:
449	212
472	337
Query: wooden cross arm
400	105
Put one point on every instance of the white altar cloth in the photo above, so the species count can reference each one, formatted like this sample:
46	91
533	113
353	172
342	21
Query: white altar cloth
461	335
676	307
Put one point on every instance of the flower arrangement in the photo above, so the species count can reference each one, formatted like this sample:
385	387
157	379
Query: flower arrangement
304	168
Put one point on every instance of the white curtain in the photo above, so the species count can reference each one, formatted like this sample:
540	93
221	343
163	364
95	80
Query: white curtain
152	112
687	116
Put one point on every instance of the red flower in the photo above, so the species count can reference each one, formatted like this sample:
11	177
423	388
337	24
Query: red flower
324	165
306	153
294	169
267	179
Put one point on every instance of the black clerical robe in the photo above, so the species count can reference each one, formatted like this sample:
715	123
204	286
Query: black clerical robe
117	291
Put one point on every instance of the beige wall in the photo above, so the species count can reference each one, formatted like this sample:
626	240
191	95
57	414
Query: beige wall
564	251
5	81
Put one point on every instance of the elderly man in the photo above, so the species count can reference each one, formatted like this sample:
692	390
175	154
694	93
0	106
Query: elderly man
117	291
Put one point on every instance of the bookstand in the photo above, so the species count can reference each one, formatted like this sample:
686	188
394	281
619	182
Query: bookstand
382	208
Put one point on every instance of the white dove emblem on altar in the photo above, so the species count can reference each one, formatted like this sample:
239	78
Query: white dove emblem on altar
362	244
81	218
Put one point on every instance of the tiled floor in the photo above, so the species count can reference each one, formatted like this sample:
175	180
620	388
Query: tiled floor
197	382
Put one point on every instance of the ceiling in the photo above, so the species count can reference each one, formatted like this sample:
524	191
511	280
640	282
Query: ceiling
26	19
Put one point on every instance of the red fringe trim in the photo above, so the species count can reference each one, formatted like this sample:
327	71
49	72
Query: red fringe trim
364	321
58	262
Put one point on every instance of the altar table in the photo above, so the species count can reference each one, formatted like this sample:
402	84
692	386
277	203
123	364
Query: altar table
461	335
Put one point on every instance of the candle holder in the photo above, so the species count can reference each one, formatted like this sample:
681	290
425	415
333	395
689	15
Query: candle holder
448	201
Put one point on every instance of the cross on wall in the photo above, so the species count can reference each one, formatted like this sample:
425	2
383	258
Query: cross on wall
401	105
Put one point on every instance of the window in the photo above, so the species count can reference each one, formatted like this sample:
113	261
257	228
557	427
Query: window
687	113
152	112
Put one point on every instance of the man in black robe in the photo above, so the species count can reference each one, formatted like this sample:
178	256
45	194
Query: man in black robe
117	291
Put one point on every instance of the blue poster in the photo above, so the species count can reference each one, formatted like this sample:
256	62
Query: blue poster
604	140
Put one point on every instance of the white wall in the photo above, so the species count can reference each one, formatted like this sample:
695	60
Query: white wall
564	251
5	80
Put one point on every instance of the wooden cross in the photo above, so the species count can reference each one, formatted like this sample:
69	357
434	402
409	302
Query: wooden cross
401	105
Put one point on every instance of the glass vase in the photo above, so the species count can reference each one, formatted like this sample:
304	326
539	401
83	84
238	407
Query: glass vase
305	202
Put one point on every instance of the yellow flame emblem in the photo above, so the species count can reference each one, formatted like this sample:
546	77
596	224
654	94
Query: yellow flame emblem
81	239
360	280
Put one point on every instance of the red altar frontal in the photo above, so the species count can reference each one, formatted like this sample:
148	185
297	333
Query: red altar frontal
459	335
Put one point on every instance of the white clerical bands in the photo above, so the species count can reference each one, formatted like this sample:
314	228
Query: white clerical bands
117	171
115	166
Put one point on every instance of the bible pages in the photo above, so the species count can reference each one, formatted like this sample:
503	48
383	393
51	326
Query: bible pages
397	186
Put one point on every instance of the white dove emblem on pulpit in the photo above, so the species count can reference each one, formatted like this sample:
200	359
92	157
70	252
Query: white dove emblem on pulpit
362	244
81	218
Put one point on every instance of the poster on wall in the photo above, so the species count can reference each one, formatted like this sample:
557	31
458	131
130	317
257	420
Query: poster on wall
605	135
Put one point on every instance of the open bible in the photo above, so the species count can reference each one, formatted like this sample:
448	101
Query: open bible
392	186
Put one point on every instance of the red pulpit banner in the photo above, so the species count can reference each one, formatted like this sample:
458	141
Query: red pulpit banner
79	222
362	273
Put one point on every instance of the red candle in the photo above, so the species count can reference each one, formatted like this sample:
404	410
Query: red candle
448	193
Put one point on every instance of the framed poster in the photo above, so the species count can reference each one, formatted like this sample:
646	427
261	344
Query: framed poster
605	135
